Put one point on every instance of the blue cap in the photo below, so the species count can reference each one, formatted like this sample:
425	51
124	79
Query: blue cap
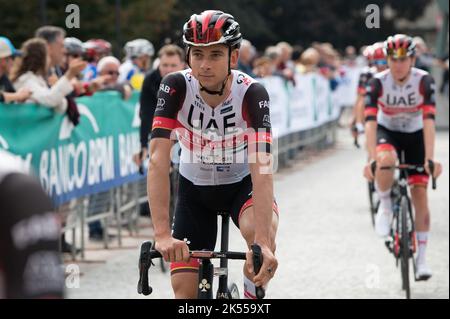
7	48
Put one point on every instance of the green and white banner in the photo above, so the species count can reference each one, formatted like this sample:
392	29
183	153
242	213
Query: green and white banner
74	161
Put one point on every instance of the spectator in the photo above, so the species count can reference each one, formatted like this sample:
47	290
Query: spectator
30	72
310	58
74	49
137	62
263	67
285	64
109	66
350	56
424	58
7	92
329	63
95	50
285	61
274	53
296	55
443	64
54	37
246	54
171	59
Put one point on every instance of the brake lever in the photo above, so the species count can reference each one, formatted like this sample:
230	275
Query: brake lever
257	264
145	262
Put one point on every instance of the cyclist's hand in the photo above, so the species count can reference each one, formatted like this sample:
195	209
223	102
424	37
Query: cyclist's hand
268	268
437	169
173	250
368	172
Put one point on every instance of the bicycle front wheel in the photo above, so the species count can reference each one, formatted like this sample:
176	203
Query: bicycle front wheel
405	246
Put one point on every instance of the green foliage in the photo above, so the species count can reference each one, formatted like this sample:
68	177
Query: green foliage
264	22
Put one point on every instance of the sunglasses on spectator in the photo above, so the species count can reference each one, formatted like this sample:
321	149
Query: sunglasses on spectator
112	72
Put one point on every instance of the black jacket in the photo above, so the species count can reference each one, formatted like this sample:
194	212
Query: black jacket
148	101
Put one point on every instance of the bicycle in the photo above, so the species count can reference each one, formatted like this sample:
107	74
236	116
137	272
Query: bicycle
206	270
402	239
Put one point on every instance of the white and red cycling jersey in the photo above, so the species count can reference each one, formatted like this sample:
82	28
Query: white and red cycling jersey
215	141
400	108
366	75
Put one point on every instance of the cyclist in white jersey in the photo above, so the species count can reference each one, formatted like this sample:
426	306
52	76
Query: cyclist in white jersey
377	63
221	118
400	116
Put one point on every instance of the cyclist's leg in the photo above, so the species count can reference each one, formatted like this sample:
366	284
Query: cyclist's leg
418	180
242	214
420	202
247	225
199	226
386	156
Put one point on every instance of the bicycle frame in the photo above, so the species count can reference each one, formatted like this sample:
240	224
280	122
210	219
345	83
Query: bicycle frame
207	272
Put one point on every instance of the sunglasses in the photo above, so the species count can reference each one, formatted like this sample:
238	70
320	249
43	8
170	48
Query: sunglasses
397	53
380	62
113	73
210	36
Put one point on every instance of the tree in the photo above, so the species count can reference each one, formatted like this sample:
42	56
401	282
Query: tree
264	22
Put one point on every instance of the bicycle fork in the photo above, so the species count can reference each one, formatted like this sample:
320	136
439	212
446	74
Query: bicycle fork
207	270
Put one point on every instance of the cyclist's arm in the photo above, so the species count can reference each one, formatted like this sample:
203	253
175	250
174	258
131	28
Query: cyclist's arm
158	183
359	104
263	202
256	105
373	92
427	88
359	109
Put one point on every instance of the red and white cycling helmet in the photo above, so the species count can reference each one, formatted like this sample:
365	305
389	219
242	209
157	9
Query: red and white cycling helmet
399	46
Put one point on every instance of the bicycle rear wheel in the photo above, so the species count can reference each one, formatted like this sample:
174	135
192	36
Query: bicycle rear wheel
405	246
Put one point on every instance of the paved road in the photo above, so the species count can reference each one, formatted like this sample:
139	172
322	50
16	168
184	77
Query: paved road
326	245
